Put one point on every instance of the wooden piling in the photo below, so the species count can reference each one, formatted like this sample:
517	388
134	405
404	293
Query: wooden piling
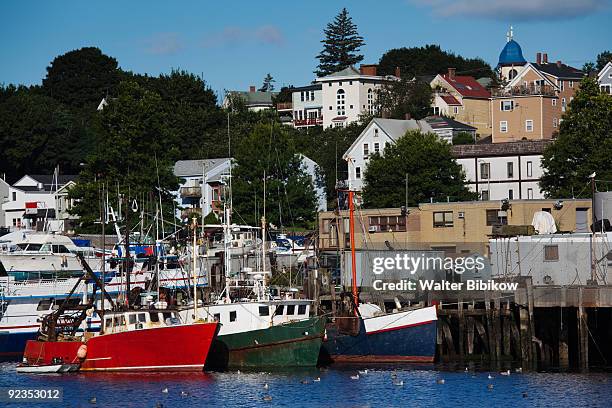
461	328
583	334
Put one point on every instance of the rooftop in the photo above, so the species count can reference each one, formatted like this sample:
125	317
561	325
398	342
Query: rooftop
187	168
439	122
560	70
511	54
467	86
522	147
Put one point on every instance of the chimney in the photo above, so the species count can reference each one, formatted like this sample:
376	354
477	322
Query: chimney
545	58
451	73
559	64
407	116
539	58
398	72
252	88
369	69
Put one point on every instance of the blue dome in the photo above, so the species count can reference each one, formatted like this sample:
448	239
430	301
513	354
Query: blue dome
511	54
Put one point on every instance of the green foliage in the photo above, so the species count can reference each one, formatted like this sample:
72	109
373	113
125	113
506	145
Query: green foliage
136	153
341	45
285	95
602	59
583	146
211	219
425	162
463	138
81	78
406	96
430	60
268	84
588	68
290	196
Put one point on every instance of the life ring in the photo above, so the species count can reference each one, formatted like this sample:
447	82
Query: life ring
82	352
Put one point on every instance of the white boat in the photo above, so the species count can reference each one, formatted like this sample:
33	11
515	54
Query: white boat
47	368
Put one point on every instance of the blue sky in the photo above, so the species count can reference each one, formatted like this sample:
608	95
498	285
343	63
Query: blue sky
233	44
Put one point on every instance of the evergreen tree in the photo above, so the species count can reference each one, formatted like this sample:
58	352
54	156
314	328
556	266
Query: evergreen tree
268	84
602	59
583	146
428	165
341	45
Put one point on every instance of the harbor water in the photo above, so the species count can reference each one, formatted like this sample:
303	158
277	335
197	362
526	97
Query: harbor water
427	386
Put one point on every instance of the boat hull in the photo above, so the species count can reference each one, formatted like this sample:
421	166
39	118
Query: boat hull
295	344
393	338
172	348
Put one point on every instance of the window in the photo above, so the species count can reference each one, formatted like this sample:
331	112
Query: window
14	196
340	83
371	103
494	218
142	317
506	105
563	105
108	322
376	147
357	172
290	310
279	310
455	109
529	125
233	316
340	102
154	317
217	317
554	102
388	223
264	311
571	84
375	132
484	195
551	253
132	319
442	219
510	194
529	169
350	106
366	150
485	170
510	169
312	95
350	82
503	126
530	193
512	74
555	122
44	304
301	309
560	83
605	89
302	96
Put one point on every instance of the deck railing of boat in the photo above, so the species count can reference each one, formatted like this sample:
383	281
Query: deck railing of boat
43	282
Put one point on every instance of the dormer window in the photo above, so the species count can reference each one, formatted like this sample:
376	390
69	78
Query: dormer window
375	132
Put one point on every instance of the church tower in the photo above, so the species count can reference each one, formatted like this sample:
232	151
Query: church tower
511	60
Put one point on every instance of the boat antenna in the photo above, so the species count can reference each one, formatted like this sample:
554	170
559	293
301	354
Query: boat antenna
229	155
127	252
351	198
263	236
195	273
161	207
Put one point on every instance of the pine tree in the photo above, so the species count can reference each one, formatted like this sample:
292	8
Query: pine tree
340	46
268	84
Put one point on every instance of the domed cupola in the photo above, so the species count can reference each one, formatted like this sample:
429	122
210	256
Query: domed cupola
512	54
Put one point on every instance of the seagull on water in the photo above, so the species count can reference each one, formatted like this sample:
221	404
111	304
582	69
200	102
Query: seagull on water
355	377
165	390
506	373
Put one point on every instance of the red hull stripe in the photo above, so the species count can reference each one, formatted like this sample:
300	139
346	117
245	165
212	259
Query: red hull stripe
382	359
400	327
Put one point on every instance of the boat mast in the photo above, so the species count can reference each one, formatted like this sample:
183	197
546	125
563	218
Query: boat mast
263	238
195	274
352	239
226	251
126	262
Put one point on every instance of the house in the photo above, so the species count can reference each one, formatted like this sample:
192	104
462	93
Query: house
253	99
4	197
201	191
462	98
307	106
447	128
373	139
39	202
497	171
604	78
349	93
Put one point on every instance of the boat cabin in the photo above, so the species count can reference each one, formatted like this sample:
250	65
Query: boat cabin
138	320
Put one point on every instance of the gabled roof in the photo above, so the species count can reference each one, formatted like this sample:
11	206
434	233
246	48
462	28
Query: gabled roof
560	70
439	122
256	98
450	99
348	71
190	168
603	71
311	87
49	179
393	128
517	79
467	86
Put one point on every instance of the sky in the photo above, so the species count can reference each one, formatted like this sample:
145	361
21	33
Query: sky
234	44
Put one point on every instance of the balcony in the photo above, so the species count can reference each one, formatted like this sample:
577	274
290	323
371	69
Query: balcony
308	122
525	90
284	106
191	191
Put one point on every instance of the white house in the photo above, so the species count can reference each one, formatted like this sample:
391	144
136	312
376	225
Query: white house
373	139
349	93
39	202
604	78
307	103
509	170
253	99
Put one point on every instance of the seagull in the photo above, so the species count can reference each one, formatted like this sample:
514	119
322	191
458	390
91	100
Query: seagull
165	390
399	383
518	370
506	373
266	386
593	175
363	371
440	381
93	400
267	398
184	394
490	377
466	369
355	377
318	379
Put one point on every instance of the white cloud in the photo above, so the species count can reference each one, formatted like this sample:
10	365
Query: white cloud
164	44
233	35
514	10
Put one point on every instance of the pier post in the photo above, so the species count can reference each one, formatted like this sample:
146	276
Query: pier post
461	327
497	324
583	334
470	329
490	334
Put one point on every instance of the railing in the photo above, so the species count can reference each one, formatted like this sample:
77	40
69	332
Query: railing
530	89
284	106
308	122
190	212
191	191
